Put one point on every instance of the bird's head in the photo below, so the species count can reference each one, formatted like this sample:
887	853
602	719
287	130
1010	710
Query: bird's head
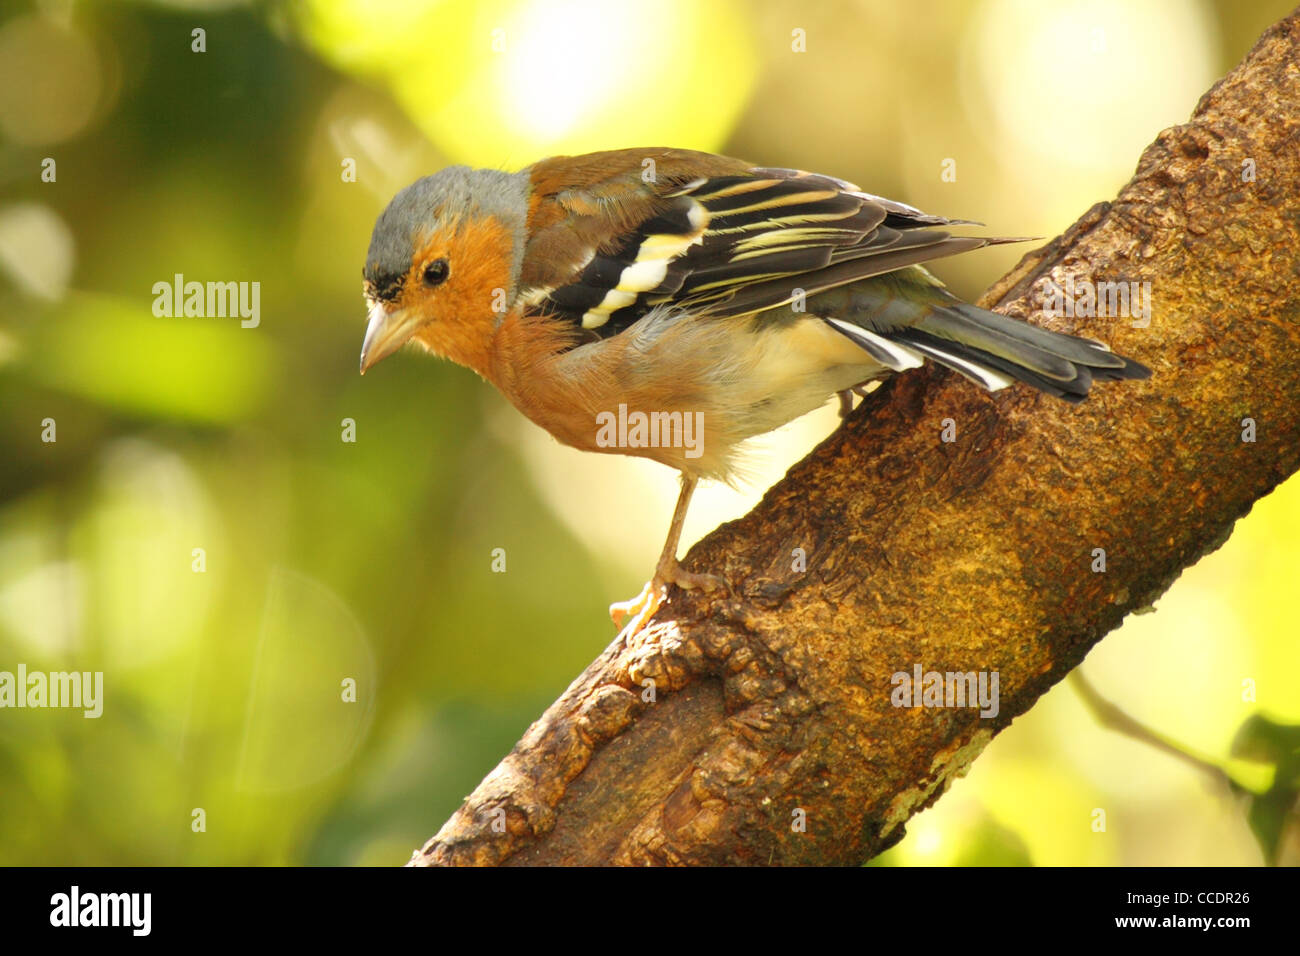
443	265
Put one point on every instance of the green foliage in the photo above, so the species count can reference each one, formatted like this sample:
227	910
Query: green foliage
1276	810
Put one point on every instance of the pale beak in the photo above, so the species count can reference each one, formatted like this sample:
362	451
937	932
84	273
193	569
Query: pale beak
386	333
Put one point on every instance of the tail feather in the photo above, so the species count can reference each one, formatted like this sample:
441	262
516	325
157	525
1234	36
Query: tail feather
1006	370
906	315
960	330
1053	362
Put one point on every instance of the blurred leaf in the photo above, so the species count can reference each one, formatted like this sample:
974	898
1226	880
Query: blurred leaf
991	844
1270	813
114	351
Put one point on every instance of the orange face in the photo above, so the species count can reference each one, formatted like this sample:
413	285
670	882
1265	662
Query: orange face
452	297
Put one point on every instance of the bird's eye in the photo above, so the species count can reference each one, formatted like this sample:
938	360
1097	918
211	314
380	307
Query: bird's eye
435	273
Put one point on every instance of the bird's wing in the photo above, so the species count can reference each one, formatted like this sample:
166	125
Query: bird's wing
712	235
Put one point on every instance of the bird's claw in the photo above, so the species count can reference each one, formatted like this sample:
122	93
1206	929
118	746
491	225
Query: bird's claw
639	611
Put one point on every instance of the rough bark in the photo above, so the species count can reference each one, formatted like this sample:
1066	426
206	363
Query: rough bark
965	556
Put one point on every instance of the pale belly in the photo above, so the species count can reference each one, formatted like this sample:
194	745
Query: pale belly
792	370
730	384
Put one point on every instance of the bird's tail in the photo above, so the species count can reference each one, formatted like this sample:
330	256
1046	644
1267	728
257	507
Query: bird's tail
990	349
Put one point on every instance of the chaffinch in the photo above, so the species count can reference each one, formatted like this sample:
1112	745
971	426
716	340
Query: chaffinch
671	304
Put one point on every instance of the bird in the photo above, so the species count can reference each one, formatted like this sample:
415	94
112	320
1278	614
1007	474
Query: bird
671	304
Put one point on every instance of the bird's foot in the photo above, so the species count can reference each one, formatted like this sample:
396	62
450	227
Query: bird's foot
690	580
641	609
638	611
846	396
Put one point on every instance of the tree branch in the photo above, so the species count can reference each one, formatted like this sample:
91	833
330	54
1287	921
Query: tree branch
971	555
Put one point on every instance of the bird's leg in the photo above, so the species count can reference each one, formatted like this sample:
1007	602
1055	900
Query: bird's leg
846	396
642	608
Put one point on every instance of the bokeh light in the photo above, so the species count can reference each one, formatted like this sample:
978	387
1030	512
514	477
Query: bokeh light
511	81
61	81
